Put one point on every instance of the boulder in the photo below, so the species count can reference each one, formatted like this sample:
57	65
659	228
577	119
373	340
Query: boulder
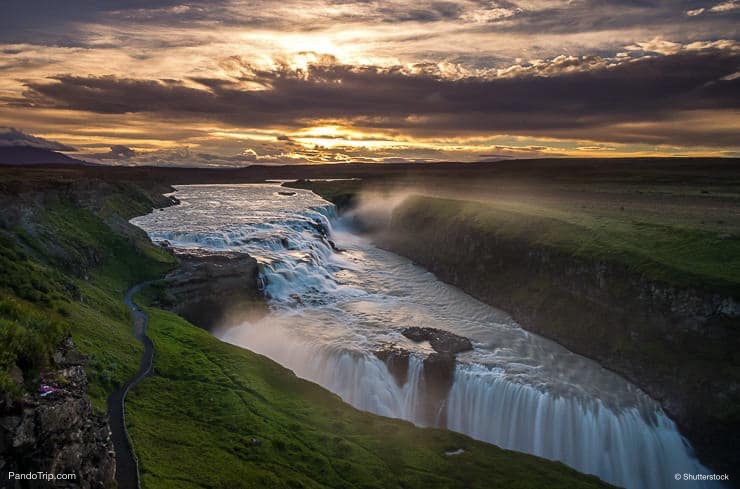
442	341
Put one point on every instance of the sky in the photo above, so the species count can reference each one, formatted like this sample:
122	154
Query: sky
234	82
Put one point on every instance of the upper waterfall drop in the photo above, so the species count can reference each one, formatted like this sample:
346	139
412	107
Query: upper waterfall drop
331	312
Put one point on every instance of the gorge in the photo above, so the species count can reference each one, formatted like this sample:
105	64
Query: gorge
336	301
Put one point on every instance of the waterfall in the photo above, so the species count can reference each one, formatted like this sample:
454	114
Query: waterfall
627	447
634	447
331	312
361	380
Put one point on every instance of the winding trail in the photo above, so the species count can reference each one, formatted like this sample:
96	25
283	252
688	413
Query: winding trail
127	466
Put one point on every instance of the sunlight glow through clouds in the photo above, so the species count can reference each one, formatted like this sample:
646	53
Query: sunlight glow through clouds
316	81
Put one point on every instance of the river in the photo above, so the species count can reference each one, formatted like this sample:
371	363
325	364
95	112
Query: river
333	305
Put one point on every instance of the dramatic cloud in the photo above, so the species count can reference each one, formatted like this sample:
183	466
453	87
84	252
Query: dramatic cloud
554	97
228	82
10	136
117	152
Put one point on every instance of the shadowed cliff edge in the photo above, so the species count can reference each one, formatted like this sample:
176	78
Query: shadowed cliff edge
207	288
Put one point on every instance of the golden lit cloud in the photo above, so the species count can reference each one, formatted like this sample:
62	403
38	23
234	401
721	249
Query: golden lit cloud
234	82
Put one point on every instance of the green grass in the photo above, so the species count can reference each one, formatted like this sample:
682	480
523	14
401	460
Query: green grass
193	423
341	193
28	335
64	271
675	254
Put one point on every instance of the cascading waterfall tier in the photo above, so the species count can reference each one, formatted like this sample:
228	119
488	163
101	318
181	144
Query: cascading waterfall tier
331	312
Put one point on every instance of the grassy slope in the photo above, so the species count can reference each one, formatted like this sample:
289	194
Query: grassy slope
64	271
675	254
192	423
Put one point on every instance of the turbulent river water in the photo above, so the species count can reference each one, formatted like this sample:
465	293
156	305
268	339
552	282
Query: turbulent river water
332	307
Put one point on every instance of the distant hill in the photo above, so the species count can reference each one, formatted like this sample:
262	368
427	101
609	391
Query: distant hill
27	155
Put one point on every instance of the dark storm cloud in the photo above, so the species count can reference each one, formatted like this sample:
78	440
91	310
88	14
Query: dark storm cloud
582	16
599	96
119	151
10	136
39	21
431	12
55	21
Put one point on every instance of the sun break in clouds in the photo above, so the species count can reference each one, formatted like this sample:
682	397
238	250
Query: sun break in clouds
237	82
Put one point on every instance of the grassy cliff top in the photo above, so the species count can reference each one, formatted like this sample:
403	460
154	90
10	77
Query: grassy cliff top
674	253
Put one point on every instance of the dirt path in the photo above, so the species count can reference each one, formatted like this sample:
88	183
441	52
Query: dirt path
127	466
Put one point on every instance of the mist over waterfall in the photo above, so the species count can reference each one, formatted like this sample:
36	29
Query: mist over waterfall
337	302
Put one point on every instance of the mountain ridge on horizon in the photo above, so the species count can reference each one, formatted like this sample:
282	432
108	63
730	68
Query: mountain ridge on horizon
30	155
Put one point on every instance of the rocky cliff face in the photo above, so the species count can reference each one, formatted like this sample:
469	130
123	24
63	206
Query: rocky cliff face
56	431
678	344
209	287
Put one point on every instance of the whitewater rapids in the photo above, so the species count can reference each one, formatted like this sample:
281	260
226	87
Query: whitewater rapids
335	299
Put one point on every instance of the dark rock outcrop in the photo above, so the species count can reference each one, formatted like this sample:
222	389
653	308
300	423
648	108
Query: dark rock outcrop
209	287
397	361
442	341
439	373
57	431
